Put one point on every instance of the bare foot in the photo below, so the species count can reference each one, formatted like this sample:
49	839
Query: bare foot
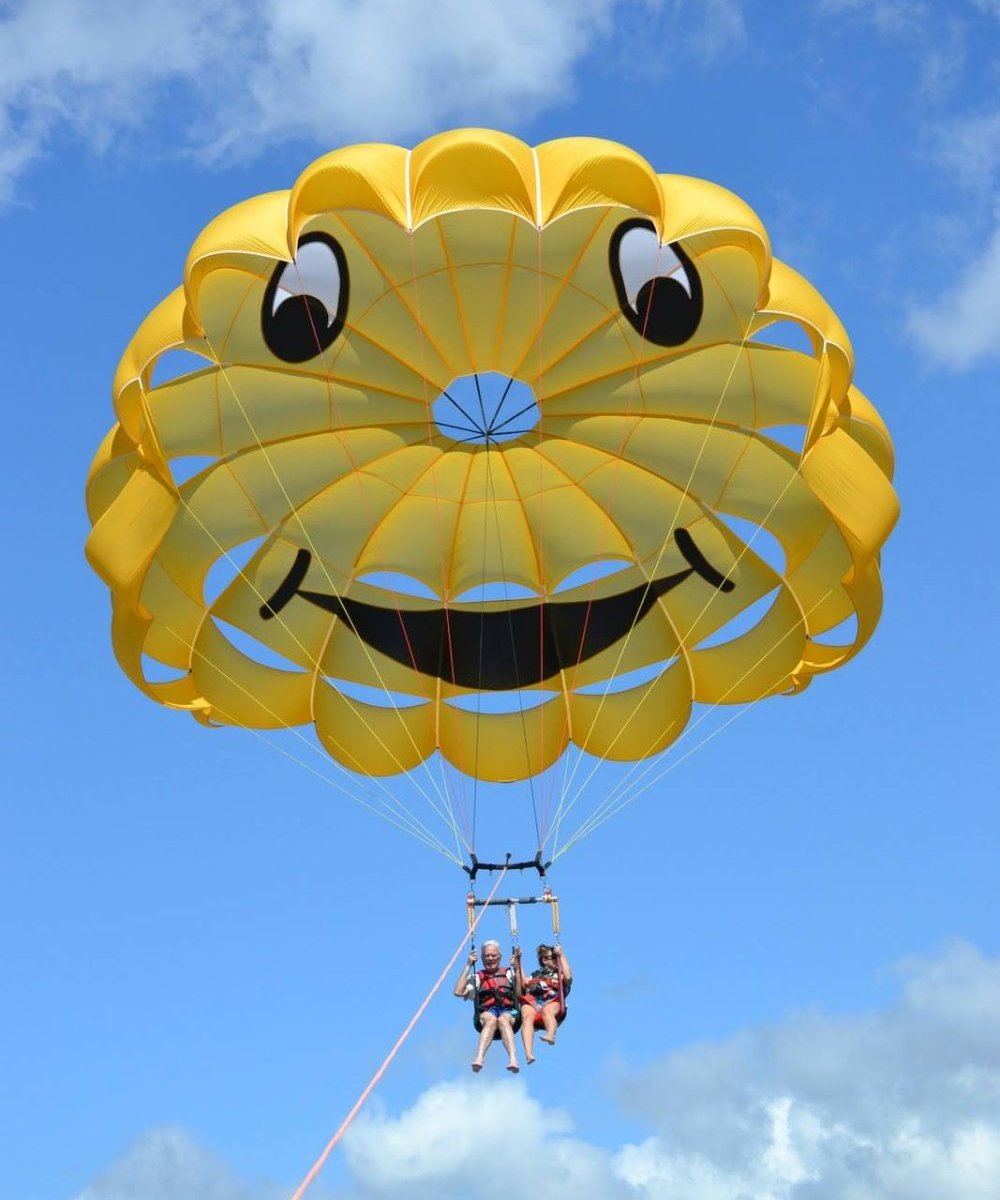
530	1059
477	1067
513	1068
549	1041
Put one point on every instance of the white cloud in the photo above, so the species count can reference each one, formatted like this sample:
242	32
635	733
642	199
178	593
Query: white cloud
230	77
722	27
269	69
970	147
166	1164
961	327
887	16
900	1104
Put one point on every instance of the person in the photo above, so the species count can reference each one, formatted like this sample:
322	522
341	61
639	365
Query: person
493	989
543	997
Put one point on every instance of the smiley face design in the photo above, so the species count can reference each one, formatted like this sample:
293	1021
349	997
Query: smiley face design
483	449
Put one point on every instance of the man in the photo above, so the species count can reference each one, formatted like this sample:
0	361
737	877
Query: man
495	996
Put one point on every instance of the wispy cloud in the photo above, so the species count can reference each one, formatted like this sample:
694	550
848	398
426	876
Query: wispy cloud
167	1164
255	72
958	327
961	326
901	1103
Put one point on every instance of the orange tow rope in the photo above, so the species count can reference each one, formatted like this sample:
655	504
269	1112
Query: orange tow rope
320	1162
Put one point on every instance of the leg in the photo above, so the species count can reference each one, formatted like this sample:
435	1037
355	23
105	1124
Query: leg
489	1025
528	1031
506	1025
549	1014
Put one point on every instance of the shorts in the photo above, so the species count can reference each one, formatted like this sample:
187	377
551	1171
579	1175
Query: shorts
496	1010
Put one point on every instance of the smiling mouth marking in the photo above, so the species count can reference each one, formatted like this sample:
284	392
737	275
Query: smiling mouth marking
497	648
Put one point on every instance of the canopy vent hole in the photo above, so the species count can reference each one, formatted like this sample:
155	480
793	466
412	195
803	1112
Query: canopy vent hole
486	408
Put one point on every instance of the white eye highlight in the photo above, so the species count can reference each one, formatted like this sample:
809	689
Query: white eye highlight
314	271
641	257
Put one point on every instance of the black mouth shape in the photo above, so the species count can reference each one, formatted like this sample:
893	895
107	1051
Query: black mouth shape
497	650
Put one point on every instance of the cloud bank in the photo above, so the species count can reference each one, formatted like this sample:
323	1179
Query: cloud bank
899	1104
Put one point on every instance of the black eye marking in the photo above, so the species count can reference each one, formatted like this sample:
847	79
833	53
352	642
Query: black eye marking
305	303
658	289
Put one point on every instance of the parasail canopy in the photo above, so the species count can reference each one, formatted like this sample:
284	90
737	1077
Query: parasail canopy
489	442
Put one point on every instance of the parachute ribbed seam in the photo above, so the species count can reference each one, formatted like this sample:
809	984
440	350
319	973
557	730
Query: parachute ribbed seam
563	807
667	537
620	796
398	290
520	697
407	195
208	614
468	820
563	283
351	704
623	785
195	651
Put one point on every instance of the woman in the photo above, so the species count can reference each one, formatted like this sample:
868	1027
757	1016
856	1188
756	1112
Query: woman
543	997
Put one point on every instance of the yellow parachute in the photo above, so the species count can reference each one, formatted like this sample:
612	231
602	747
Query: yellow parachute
480	420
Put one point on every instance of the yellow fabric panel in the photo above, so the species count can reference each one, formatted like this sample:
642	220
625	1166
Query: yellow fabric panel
246	237
244	692
126	535
791	297
693	206
696	608
697	457
652	640
167	327
229	410
641	506
493	542
636	723
129	629
511	745
369	739
561	518
177	617
472	168
868	429
346	656
820	571
110	471
767	487
758	663
369	177
854	489
588	172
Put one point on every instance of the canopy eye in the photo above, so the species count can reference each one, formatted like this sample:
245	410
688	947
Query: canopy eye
305	303
658	289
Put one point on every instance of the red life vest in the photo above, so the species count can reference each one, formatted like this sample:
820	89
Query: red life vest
495	988
544	985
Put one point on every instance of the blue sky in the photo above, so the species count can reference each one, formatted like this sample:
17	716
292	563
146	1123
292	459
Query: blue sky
787	952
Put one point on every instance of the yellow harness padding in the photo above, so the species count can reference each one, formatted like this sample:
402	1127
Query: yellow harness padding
476	255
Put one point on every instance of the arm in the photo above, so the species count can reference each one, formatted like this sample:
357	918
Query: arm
518	972
564	968
462	982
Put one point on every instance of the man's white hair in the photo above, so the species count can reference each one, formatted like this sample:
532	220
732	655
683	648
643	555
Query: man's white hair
491	942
